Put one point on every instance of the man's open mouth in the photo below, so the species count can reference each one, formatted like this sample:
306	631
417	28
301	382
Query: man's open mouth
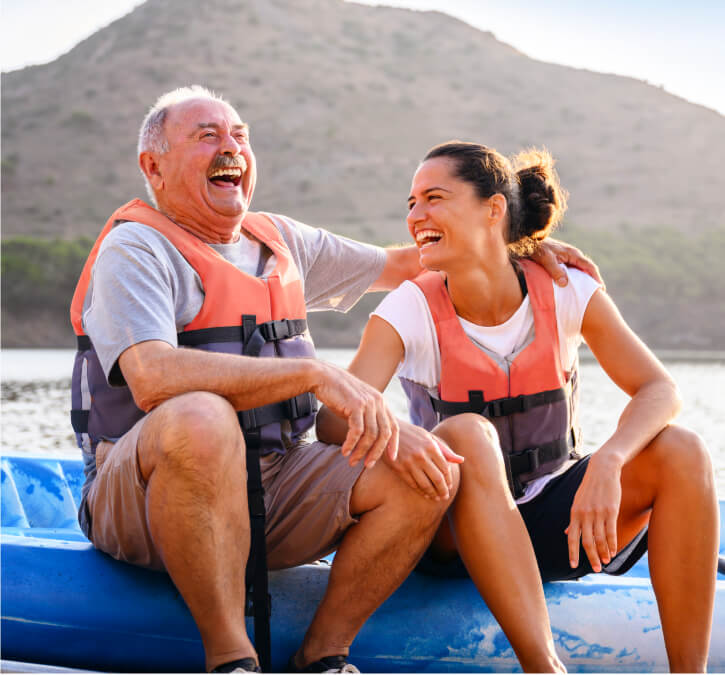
227	176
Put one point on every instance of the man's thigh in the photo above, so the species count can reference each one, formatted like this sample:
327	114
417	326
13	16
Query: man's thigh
307	497
117	503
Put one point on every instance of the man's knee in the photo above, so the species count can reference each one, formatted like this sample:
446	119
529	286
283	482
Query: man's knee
192	431
381	486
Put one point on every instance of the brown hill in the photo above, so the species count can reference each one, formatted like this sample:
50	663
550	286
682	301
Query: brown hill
343	100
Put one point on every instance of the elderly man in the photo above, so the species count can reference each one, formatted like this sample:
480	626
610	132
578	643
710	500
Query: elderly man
192	311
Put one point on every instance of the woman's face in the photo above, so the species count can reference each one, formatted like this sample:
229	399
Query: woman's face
446	218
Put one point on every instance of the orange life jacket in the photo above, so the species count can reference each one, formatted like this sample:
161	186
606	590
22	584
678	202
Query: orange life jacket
533	406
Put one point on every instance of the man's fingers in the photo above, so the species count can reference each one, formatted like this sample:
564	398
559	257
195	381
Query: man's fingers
545	257
424	485
381	442
368	436
393	443
447	453
355	429
441	466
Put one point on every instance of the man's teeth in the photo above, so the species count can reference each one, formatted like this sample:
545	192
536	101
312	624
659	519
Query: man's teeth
229	173
427	236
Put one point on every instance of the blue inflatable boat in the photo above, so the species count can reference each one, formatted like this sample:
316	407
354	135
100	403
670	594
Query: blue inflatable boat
66	604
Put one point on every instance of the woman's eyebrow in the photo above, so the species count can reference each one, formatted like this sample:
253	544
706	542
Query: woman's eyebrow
430	189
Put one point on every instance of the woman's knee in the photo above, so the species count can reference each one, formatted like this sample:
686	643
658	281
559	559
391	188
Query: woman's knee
476	439
681	454
468	429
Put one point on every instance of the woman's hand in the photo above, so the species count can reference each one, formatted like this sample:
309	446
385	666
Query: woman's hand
552	252
424	461
594	513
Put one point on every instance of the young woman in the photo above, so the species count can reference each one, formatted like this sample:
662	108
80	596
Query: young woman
486	348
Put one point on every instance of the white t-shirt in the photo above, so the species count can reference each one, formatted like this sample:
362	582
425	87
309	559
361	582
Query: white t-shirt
407	311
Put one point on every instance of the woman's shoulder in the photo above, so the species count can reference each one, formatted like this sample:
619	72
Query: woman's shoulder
580	287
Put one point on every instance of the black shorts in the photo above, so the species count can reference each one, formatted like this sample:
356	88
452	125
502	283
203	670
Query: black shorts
546	517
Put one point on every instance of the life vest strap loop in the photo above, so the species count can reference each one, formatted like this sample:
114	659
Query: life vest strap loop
290	409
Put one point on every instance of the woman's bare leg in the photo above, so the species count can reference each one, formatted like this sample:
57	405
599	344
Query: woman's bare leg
671	482
492	540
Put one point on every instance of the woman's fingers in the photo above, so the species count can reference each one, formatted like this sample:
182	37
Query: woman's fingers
573	533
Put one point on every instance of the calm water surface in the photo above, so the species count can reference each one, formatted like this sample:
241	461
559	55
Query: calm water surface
36	400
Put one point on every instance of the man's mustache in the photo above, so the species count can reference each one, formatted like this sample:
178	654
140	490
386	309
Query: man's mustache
226	162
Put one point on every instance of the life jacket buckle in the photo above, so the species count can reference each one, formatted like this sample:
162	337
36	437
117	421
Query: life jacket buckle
495	408
534	459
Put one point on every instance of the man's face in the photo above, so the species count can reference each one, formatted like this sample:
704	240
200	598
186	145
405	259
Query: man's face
206	178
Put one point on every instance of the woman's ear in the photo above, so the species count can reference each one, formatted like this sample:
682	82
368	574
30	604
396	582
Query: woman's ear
498	205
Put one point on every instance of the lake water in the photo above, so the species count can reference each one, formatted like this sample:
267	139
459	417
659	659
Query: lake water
36	400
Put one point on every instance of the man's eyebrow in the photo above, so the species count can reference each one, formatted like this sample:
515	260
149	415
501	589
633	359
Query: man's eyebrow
430	189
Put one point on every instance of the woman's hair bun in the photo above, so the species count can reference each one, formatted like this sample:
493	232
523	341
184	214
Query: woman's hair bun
543	200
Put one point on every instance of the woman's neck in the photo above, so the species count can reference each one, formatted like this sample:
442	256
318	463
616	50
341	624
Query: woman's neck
487	294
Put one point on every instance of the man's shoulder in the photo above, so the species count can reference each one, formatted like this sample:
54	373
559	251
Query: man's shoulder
132	234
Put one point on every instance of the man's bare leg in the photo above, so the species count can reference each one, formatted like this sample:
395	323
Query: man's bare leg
672	479
192	456
491	538
376	555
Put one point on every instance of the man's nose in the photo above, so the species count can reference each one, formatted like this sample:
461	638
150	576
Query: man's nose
230	146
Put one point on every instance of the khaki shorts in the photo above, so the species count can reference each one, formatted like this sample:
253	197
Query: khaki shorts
307	497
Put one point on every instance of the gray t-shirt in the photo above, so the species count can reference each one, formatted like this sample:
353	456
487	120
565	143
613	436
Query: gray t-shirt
142	288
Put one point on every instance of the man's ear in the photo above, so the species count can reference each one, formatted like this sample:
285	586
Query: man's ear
148	161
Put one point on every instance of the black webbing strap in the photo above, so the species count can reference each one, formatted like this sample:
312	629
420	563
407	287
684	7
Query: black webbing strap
258	600
83	342
268	332
289	409
499	407
528	461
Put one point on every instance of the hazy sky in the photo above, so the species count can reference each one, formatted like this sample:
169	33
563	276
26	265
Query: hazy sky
676	44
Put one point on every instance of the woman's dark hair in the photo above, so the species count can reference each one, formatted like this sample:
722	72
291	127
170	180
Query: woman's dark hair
536	201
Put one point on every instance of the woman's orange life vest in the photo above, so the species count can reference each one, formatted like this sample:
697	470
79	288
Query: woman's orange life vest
533	406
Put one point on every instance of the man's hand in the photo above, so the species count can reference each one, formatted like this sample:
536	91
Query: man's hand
552	252
594	514
371	426
424	462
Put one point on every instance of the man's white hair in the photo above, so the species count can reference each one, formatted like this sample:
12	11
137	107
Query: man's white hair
151	136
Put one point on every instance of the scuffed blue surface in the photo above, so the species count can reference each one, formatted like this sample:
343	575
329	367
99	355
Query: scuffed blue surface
64	603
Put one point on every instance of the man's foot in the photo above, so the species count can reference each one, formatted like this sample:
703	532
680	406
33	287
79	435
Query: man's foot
246	665
327	664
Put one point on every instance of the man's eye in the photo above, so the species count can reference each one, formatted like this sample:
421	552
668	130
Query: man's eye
433	197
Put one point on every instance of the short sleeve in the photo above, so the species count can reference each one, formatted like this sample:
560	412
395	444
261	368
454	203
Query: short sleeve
406	310
571	304
336	270
130	301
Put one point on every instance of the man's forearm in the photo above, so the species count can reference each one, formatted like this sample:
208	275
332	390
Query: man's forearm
156	371
402	263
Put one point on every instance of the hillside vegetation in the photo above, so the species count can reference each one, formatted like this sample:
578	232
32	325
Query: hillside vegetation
649	272
343	100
